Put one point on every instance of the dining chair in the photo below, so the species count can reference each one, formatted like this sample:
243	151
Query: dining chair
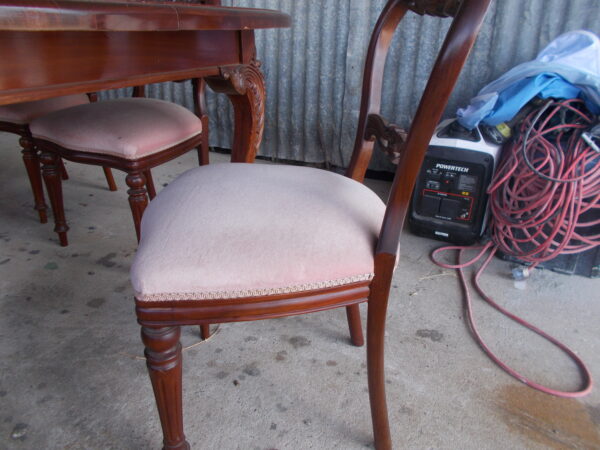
242	242
131	134
16	118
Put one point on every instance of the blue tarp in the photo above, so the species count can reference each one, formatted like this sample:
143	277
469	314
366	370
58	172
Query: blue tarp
569	67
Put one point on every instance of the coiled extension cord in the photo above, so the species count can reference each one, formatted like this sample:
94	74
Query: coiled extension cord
546	182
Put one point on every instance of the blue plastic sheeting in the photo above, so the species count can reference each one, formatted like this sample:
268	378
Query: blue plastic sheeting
569	67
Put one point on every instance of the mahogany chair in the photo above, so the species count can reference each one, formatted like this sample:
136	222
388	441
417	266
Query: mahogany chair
16	119
240	242
130	134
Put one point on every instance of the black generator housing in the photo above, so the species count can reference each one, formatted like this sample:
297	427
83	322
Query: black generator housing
449	201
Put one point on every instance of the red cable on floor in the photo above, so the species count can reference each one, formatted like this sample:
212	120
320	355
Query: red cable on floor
547	179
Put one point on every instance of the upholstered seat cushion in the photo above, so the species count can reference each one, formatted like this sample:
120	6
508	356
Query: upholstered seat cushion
24	113
240	230
130	128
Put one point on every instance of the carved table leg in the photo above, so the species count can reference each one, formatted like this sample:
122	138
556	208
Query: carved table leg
52	177
32	165
137	198
244	85
164	362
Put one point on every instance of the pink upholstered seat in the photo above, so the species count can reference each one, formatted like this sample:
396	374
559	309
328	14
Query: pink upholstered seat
129	128
23	113
240	230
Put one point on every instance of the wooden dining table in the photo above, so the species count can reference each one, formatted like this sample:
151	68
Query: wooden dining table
53	48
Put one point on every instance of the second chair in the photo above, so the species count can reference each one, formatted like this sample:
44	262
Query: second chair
131	134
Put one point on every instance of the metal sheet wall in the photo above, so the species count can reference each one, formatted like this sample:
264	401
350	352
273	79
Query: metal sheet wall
313	71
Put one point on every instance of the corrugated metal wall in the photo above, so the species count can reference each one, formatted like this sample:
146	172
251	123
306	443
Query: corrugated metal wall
313	71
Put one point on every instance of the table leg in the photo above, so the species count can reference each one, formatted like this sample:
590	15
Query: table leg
244	85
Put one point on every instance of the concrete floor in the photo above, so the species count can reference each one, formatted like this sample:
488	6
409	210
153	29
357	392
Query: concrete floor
72	375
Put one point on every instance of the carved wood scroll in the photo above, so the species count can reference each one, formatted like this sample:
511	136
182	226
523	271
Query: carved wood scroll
390	137
244	85
440	8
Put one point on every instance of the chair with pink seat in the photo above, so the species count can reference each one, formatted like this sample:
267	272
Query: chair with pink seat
16	119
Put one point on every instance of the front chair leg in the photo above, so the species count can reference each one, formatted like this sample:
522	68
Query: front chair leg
137	198
32	165
52	177
164	362
356	334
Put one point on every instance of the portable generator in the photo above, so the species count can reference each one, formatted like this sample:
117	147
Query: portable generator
449	200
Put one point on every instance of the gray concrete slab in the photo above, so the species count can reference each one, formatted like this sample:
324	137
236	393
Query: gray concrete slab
72	374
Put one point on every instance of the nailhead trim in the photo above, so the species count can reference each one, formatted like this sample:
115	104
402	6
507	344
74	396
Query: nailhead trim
220	295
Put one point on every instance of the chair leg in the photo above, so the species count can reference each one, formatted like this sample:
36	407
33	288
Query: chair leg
63	170
34	172
204	331
203	158
375	368
164	362
52	177
150	184
110	180
356	334
137	198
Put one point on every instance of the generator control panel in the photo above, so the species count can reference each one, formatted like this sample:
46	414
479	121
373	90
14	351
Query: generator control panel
450	191
449	200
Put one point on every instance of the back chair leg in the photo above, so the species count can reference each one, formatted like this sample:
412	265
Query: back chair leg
32	165
164	362
138	199
63	170
150	184
110	180
203	158
375	368
355	326
52	177
204	331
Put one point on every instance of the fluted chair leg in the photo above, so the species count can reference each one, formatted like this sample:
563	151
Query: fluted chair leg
164	362
355	326
375	368
110	180
32	165
52	177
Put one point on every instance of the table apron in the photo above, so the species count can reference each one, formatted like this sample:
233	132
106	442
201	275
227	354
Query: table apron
44	64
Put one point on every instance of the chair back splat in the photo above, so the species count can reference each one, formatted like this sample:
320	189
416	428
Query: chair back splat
468	18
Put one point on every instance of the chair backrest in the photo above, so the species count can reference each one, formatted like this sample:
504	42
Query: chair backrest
468	17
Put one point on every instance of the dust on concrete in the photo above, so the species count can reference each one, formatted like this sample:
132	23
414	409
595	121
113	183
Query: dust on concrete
252	369
107	260
434	335
299	341
96	302
554	422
